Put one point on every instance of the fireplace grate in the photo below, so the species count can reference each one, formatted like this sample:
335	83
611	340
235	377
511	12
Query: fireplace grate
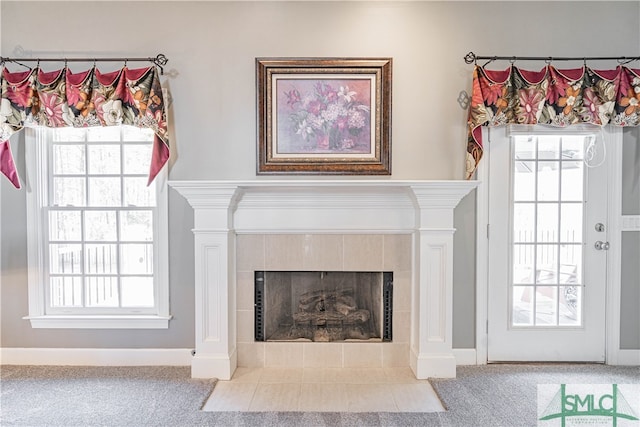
333	326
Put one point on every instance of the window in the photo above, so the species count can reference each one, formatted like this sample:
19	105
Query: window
97	232
547	239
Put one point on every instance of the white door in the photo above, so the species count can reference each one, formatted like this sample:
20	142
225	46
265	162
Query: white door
547	273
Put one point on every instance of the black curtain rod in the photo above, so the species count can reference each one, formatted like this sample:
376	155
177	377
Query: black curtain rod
160	60
471	57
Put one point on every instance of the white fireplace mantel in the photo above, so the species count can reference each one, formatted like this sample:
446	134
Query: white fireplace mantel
223	209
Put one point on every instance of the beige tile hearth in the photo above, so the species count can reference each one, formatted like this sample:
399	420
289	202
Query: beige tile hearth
324	390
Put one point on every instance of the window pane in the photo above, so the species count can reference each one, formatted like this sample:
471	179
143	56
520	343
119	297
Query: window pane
104	192
101	259
547	264
523	222
65	291
548	147
136	225
64	225
137	292
102	292
68	159
548	181
548	222
571	264
571	222
136	158
69	191
522	306
137	258
104	133
573	146
68	134
570	305
100	226
65	259
524	148
104	159
132	133
523	256
136	192
524	182
546	305
572	181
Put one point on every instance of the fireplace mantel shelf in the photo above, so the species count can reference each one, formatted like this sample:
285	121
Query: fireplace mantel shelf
432	186
422	208
319	183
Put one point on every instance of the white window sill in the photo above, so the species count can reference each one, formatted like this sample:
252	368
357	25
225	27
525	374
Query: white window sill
99	322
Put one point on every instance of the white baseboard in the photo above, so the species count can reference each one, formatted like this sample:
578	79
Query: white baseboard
175	356
628	358
465	356
96	356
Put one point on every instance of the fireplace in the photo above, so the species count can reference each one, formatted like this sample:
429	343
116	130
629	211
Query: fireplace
323	306
241	227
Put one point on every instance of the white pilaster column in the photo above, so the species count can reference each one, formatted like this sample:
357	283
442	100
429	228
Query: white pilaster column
431	339
215	290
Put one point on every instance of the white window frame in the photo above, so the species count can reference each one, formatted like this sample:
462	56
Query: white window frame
36	156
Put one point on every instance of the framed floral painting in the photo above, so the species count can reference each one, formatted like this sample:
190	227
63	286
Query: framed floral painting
324	116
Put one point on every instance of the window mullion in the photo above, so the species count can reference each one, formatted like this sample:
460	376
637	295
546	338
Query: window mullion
536	243
83	234
559	225
118	222
45	148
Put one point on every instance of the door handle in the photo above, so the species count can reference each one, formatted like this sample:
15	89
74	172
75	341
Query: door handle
601	246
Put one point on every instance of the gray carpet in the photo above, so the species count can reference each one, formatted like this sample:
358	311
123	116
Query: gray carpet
494	395
99	396
506	395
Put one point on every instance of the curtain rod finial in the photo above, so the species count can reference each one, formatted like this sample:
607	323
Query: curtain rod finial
470	58
161	59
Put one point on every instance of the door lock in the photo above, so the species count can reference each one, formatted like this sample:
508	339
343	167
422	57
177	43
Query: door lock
599	227
601	246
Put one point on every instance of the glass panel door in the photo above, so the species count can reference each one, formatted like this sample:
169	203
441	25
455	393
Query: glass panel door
547	273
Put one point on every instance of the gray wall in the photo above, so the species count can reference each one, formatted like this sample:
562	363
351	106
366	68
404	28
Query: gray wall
464	273
213	122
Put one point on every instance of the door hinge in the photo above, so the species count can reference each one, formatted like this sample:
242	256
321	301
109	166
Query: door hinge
487	231
487	327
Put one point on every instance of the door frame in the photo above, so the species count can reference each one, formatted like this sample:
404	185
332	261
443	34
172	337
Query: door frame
613	142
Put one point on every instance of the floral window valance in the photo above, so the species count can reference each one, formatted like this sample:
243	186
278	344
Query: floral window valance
90	98
550	96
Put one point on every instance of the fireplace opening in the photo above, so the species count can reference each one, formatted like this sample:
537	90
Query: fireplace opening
323	306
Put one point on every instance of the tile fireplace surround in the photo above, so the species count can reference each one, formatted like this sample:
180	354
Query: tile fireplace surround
338	225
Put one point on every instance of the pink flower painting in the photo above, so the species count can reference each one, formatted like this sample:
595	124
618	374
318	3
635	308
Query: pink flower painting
316	116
